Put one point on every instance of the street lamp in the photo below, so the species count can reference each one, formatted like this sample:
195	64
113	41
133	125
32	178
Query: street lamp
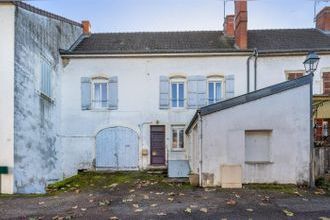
311	62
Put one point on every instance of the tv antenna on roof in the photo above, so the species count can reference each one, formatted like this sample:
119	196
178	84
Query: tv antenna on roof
316	2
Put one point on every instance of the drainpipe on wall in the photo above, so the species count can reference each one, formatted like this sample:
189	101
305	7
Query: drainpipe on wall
254	54
312	175
201	148
255	68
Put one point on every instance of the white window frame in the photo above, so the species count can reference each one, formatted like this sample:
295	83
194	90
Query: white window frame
177	128
215	80
178	81
94	104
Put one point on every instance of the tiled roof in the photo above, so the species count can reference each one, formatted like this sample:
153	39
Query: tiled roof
288	39
154	42
44	13
201	41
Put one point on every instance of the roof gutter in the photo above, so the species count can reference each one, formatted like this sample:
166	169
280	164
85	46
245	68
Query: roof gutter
261	53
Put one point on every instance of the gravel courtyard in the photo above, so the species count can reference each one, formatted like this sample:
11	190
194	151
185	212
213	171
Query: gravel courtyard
139	195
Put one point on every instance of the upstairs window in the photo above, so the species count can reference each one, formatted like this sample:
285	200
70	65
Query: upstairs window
46	78
177	137
294	75
177	94
214	91
326	83
100	94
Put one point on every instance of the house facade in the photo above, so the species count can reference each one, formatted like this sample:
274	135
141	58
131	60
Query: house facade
122	101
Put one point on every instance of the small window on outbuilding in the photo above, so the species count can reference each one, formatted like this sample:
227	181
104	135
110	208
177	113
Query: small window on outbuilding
257	146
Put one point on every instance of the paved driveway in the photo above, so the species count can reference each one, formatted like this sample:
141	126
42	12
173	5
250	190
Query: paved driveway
144	196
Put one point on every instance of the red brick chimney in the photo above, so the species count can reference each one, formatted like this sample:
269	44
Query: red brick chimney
228	26
241	37
86	27
323	19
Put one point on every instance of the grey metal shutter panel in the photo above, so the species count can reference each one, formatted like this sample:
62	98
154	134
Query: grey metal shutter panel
113	93
196	91
85	93
164	92
230	86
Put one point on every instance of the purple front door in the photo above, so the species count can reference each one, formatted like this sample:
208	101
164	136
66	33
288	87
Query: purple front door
157	144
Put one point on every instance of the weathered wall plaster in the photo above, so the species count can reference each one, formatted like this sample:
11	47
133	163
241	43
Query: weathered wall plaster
37	146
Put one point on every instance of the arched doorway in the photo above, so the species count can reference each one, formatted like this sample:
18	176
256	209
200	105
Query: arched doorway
117	148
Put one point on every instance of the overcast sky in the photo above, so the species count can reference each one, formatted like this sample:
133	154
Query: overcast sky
179	15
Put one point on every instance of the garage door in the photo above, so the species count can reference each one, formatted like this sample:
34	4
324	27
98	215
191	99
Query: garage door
117	148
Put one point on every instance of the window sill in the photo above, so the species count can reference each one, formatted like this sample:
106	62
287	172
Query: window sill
258	162
46	97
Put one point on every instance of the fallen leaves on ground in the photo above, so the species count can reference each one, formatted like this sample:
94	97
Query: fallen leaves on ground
231	202
104	202
203	210
288	213
136	205
249	210
319	192
114	218
193	206
153	205
75	207
170	199
188	210
138	210
146	197
324	218
209	189
161	214
83	209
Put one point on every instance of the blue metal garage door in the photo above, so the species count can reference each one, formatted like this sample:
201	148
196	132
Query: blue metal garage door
117	148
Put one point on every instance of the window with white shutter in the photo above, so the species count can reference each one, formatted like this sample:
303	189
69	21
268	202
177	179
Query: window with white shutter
46	78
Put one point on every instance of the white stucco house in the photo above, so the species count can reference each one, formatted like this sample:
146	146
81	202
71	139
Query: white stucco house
123	101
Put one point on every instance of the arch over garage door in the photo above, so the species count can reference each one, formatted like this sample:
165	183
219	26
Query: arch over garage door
117	148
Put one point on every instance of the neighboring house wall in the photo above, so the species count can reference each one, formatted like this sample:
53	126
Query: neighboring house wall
281	120
138	97
7	45
37	118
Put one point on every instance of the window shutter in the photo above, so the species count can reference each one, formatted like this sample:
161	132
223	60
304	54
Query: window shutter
164	92
196	91
113	93
230	86
85	93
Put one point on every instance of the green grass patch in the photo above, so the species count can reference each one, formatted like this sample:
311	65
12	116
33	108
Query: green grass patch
322	183
285	188
106	180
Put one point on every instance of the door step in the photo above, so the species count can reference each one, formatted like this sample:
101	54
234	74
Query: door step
157	169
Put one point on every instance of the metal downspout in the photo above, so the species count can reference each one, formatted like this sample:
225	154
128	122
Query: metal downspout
201	149
255	68
312	176
248	70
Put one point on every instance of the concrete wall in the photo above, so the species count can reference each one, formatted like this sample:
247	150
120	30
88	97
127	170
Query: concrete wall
37	146
7	45
285	114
